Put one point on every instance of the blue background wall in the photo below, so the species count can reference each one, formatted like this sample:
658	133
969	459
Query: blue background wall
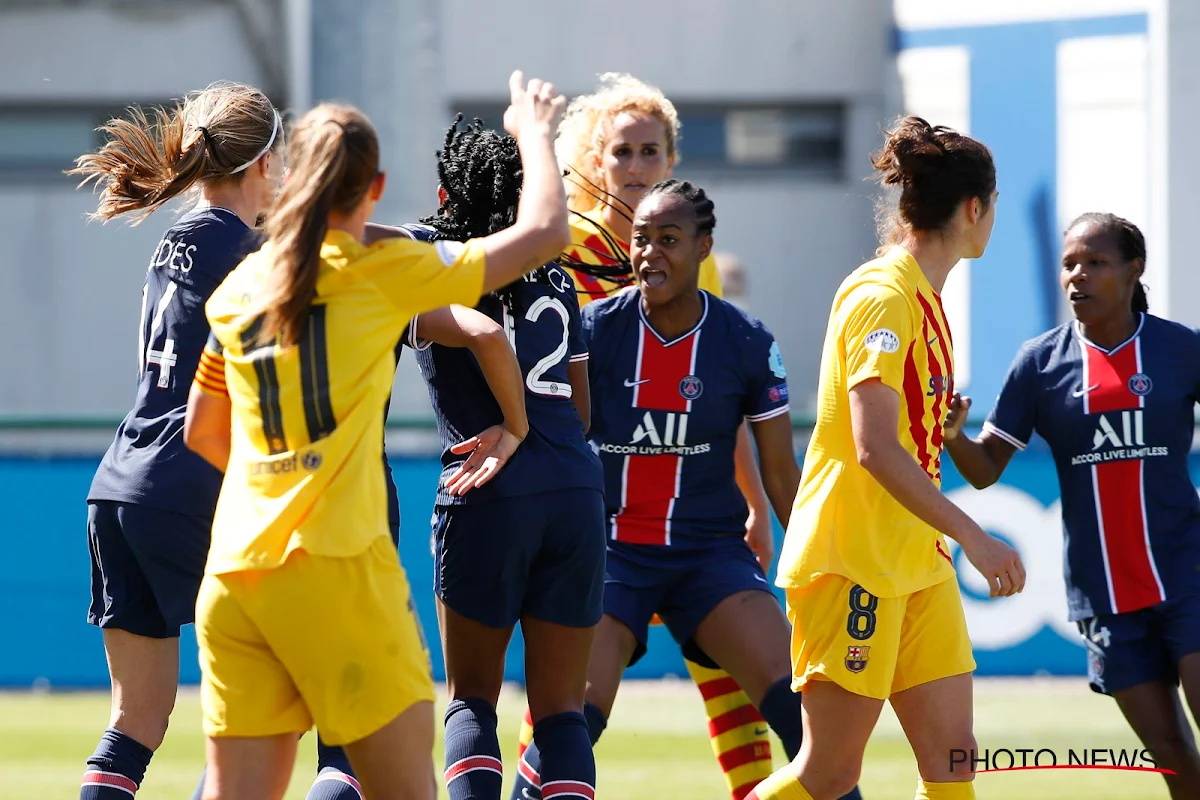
44	577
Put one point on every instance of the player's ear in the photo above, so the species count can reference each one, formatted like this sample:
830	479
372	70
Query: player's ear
377	186
706	244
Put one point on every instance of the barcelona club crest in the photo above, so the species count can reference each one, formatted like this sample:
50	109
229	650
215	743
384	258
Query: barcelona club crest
856	658
691	387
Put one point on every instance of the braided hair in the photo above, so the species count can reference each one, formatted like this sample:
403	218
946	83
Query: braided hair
1130	241
703	209
480	171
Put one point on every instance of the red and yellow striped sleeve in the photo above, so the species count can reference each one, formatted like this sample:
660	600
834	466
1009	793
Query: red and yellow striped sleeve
210	374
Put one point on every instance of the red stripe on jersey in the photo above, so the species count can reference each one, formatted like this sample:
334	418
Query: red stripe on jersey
746	754
718	687
1132	577
649	493
663	367
1119	485
914	399
1107	376
723	723
938	369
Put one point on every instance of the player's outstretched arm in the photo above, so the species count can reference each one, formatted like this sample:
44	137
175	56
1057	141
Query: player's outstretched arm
541	231
980	461
875	418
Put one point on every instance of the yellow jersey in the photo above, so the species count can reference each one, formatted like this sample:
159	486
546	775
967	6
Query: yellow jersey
305	467
593	243
887	323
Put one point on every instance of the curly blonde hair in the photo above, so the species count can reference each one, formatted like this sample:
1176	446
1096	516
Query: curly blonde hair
584	127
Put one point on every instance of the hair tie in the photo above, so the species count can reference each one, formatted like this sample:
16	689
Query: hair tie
208	140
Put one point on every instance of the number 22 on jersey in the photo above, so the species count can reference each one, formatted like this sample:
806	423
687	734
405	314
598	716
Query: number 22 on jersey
556	384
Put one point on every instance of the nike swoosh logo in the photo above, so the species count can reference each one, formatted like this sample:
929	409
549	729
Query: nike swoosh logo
760	578
931	341
760	731
630	384
1082	392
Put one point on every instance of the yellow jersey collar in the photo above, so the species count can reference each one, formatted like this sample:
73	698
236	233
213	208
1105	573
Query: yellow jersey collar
910	271
340	248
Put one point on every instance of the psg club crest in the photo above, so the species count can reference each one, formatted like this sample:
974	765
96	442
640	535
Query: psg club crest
856	658
691	387
1140	384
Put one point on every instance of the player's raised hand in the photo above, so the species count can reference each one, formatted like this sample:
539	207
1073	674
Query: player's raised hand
533	108
998	563
956	416
489	452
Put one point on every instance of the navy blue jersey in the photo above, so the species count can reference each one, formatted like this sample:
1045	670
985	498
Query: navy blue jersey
540	314
665	417
1119	424
148	463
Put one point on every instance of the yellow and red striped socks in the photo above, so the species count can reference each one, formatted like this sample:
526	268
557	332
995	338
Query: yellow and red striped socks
740	738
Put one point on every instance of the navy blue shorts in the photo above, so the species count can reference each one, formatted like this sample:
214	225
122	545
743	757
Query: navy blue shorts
540	555
146	567
1143	646
680	585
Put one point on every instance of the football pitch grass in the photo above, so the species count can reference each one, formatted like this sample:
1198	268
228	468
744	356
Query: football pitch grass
655	745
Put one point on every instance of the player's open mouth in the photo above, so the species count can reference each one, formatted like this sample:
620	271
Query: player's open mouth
1077	297
653	277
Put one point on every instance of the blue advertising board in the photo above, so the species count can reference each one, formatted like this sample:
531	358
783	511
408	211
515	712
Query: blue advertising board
44	576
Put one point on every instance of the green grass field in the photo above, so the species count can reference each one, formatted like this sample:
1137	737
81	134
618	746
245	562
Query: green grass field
655	745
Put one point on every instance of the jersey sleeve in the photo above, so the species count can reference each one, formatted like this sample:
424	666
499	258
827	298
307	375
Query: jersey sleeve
210	374
416	276
710	277
411	339
767	389
876	333
1015	414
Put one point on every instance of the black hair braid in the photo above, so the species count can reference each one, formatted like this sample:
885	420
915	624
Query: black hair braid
1130	241
480	170
619	274
703	208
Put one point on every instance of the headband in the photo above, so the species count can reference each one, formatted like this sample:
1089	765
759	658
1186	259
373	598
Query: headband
265	150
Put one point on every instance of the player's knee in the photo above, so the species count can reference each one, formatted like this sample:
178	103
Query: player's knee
147	727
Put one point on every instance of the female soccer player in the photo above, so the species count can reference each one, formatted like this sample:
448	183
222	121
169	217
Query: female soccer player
306	327
871	591
455	326
616	143
673	372
151	502
530	546
1113	393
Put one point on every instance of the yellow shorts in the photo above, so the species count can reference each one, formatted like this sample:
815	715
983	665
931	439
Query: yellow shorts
330	641
877	646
